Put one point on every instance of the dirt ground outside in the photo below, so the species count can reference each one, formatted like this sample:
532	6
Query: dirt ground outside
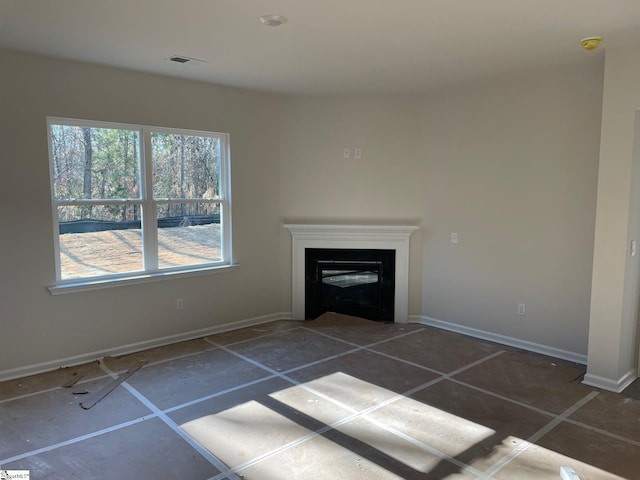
117	251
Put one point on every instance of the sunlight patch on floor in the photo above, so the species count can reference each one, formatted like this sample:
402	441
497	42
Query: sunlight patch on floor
240	434
317	459
262	444
352	392
539	463
244	432
424	432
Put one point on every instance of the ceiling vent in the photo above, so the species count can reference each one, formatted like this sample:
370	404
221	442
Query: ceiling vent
185	60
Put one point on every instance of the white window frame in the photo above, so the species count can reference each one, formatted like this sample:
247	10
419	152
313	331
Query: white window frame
150	270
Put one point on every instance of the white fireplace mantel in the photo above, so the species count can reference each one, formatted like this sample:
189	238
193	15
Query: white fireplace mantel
381	237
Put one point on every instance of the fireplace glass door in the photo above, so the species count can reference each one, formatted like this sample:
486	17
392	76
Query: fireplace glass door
346	284
352	281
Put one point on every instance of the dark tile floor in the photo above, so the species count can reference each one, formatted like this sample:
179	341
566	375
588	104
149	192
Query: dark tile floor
334	398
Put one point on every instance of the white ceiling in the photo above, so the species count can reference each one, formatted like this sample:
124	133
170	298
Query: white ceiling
327	46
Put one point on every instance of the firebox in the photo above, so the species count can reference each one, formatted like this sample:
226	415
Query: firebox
359	282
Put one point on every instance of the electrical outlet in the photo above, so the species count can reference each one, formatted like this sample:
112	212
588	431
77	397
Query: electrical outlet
179	304
454	237
521	309
357	152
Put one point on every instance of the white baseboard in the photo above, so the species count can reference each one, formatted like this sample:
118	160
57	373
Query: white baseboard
138	346
611	385
502	339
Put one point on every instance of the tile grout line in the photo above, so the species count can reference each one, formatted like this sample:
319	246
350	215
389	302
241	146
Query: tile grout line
355	412
212	459
267	334
402	360
168	410
503	397
280	374
482	390
283	376
218	394
313	434
274	373
100	377
460	382
546	413
78	439
558	418
52	389
199	400
264	456
150	364
395	337
424	446
270	377
603	432
130	422
165	360
292	381
444	376
496	467
368	348
449	376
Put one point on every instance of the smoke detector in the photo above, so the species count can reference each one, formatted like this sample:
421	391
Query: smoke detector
590	43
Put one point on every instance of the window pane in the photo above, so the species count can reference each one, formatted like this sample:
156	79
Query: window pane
185	166
188	234
92	243
99	187
94	163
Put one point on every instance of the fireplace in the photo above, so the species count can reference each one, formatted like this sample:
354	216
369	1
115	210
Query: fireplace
359	282
394	238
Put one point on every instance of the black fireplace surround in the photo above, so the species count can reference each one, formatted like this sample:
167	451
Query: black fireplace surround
359	282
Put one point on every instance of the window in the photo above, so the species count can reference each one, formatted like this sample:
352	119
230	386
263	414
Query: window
132	200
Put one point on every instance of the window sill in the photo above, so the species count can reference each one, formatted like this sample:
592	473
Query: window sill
85	285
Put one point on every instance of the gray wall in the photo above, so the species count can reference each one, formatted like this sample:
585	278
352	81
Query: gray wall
384	186
37	327
510	165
